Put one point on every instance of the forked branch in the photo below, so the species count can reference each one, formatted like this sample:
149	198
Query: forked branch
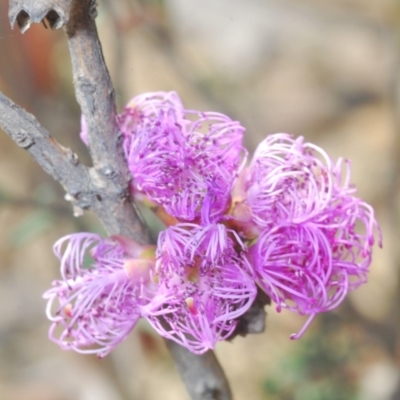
103	188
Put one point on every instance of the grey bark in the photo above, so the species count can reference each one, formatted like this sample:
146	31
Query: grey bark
103	188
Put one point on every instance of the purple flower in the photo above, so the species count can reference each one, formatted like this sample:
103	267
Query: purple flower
210	285
94	308
178	157
315	237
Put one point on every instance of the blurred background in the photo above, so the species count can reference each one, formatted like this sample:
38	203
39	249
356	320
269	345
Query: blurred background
327	70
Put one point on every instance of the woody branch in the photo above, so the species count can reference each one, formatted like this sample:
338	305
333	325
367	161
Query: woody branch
104	187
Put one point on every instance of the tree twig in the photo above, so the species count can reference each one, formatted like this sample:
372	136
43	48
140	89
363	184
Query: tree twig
95	95
202	374
103	188
61	163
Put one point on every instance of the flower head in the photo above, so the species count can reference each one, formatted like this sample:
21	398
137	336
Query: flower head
316	237
180	157
210	286
94	308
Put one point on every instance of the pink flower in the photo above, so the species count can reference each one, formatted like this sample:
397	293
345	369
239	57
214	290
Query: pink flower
210	283
179	157
94	308
315	237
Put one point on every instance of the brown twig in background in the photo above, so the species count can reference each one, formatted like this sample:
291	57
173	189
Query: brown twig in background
103	188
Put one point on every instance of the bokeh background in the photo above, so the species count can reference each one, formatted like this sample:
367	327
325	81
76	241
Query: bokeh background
327	70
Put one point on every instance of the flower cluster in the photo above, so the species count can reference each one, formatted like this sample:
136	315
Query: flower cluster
290	224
